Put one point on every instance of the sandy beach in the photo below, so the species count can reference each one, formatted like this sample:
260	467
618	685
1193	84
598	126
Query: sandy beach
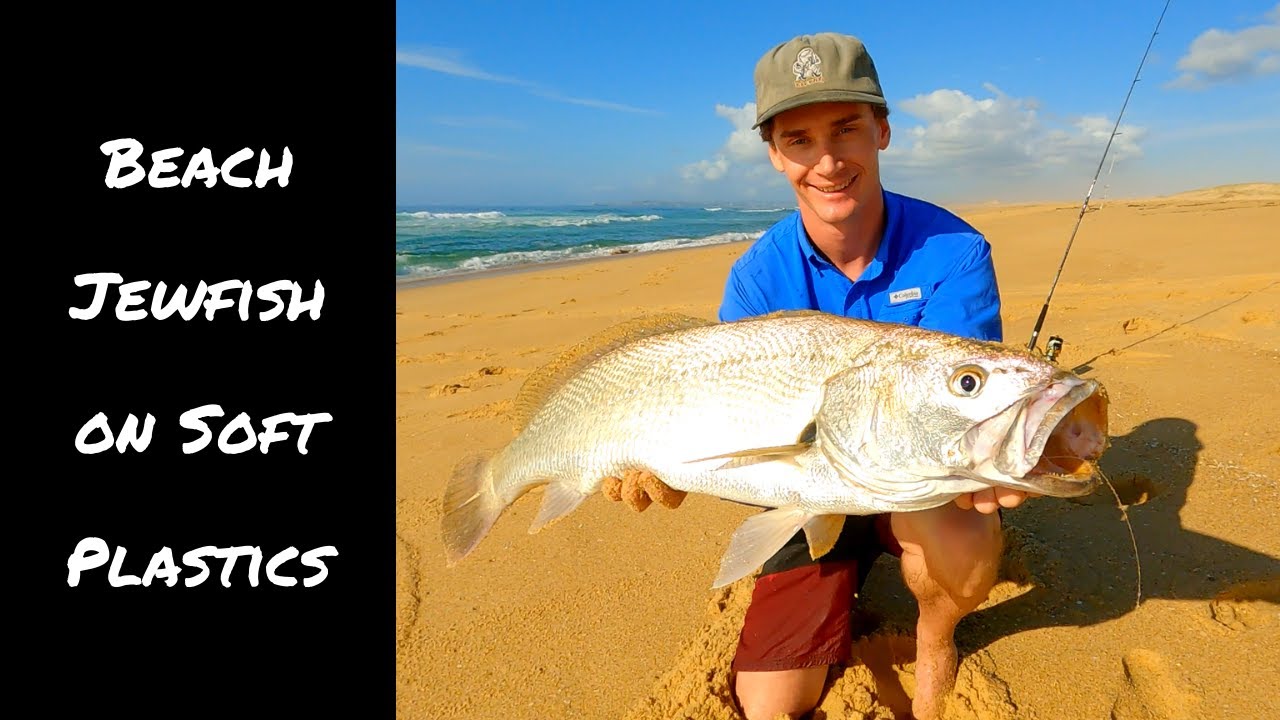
1173	303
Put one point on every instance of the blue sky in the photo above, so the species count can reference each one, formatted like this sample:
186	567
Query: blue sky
501	104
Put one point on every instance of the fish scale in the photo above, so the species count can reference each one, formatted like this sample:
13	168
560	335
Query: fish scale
706	392
720	409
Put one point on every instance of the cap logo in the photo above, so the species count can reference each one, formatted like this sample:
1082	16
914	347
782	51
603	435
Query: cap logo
808	68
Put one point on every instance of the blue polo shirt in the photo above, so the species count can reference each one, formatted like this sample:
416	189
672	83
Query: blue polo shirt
932	270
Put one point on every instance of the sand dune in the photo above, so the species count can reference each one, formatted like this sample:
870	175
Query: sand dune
1172	302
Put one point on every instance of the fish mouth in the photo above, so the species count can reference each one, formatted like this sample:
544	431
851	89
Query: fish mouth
1053	439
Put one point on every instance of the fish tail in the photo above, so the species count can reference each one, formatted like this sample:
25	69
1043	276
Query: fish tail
471	506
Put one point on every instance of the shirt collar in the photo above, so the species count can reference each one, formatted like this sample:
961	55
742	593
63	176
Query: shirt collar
876	266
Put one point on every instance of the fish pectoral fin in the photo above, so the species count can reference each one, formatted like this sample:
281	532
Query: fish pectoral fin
560	500
757	539
822	532
743	458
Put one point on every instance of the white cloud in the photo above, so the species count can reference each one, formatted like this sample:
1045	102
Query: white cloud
436	60
1001	133
424	149
1203	131
744	145
588	102
945	142
743	151
1217	56
477	121
710	170
448	62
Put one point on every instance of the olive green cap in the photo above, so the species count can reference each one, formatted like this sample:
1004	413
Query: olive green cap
825	67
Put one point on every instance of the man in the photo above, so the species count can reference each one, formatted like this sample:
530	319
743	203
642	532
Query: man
854	249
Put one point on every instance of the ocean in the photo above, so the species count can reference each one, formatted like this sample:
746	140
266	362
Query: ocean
436	243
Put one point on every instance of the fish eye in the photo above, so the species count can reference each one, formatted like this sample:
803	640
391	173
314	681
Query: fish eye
967	380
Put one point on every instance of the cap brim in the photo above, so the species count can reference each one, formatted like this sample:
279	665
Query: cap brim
819	96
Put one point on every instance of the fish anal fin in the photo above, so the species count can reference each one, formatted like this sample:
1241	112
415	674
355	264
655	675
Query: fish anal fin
544	381
559	500
822	532
757	539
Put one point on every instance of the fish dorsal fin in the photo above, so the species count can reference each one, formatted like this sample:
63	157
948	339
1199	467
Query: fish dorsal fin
551	377
782	313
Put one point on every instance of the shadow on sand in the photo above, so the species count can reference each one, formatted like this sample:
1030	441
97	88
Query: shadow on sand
1078	557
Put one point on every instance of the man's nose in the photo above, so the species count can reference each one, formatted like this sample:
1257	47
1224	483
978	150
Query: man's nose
827	160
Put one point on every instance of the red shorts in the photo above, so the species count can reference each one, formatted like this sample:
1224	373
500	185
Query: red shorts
799	613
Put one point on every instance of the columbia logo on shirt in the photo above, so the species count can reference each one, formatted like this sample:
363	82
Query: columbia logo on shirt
901	296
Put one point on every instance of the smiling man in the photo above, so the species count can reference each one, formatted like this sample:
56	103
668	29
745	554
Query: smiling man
855	249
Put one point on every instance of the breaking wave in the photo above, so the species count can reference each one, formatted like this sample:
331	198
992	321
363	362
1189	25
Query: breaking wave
480	263
495	218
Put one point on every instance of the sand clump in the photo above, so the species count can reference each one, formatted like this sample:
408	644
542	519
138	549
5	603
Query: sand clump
877	685
1152	691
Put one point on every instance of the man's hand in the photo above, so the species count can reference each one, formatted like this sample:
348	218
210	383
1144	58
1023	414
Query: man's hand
639	488
989	500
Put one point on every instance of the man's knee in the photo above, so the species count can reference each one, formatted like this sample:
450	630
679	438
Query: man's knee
977	548
958	550
765	695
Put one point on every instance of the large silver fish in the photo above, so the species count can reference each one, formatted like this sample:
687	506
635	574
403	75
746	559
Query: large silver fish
816	416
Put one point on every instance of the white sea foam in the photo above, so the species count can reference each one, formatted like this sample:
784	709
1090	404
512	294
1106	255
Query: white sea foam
424	215
767	210
570	221
494	217
536	257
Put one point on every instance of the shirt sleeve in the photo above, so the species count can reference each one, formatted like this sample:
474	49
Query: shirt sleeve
967	302
742	298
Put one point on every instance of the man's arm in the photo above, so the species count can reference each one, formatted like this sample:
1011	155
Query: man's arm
967	302
742	299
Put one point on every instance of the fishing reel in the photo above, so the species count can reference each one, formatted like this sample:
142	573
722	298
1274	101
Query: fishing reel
1053	348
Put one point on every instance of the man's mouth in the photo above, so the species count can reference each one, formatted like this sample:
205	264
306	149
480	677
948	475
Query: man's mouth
833	188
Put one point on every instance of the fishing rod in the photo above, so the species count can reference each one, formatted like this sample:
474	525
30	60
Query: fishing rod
1055	343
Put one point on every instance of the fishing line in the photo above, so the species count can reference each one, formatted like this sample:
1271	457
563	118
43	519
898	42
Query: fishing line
1124	515
1055	343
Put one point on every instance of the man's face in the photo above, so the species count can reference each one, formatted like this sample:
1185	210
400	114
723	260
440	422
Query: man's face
830	153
